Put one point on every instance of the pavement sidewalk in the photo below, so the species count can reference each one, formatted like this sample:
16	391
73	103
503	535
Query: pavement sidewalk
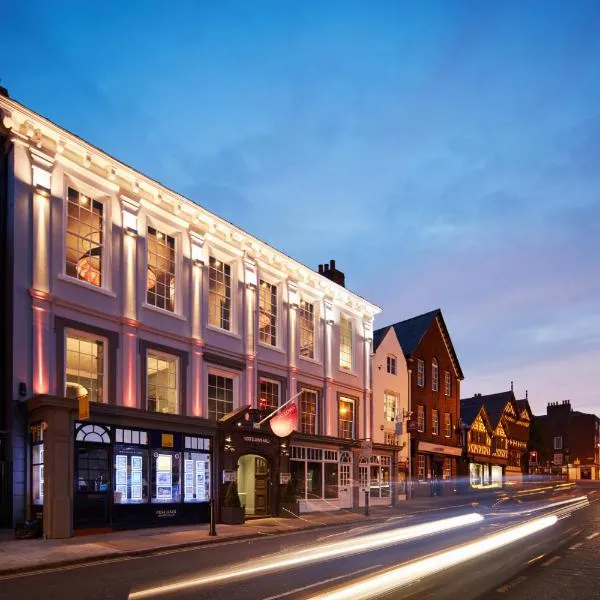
18	556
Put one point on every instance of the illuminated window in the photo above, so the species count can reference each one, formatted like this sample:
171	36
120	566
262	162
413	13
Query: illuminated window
390	406
447	424
220	396
420	373
267	313
420	418
435	375
558	442
37	465
558	459
219	294
306	319
84	366
346	418
447	469
421	466
391	365
447	383
268	394
160	280
161	376
345	343
308	411
84	238
435	422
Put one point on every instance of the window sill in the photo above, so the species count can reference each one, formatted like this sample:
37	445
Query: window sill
314	361
85	285
232	334
269	347
348	372
162	311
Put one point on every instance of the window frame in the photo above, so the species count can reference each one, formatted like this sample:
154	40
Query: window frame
341	367
349	400
447	383
105	196
391	364
421	467
435	375
317	394
421	418
271	381
316	320
435	422
229	374
447	425
278	310
106	349
232	262
558	442
172	232
420	373
165	355
386	413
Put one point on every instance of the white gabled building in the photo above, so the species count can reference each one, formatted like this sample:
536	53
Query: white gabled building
169	320
390	411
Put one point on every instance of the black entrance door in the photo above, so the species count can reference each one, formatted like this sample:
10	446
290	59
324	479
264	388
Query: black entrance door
5	482
92	486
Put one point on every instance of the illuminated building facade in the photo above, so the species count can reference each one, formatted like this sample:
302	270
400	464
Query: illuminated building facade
495	430
168	322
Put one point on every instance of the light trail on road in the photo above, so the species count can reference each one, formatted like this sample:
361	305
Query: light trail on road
412	571
315	554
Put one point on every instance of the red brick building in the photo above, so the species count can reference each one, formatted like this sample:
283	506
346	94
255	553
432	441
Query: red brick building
571	441
434	400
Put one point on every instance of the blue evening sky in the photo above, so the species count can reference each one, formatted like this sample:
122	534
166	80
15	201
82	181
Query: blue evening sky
447	154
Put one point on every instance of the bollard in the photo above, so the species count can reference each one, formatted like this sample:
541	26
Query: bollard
212	529
366	503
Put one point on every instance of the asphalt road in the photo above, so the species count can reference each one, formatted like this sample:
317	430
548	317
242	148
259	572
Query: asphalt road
512	569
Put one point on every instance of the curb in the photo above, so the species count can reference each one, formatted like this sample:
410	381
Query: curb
91	560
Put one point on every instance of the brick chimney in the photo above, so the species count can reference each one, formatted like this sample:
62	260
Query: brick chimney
329	271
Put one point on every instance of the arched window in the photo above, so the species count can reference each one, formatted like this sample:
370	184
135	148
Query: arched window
435	375
92	433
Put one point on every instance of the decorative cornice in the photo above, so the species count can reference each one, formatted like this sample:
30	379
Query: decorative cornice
41	133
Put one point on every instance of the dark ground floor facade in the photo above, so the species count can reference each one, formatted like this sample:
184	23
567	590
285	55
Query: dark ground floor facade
123	468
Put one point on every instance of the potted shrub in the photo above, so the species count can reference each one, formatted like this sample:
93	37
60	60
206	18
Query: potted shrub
290	505
232	512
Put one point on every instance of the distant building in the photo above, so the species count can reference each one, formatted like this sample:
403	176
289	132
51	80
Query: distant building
434	376
509	426
571	441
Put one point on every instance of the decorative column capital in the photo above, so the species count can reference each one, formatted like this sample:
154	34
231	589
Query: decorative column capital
197	240
293	294
250	272
42	164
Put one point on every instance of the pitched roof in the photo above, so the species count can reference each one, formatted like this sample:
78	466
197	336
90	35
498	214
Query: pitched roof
469	409
410	332
494	404
378	336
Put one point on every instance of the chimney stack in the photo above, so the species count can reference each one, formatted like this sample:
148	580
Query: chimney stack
330	271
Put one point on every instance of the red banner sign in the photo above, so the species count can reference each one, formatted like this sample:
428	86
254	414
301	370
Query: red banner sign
285	421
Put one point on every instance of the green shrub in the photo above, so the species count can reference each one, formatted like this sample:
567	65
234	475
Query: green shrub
232	499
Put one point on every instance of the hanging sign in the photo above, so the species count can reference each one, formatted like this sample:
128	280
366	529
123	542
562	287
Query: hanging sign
285	421
84	408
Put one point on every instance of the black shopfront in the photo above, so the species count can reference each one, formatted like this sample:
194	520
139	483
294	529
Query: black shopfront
126	477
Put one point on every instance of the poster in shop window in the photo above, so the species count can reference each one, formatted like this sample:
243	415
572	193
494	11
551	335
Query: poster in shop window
136	463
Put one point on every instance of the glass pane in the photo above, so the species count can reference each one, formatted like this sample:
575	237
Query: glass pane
166	477
130	475
314	480
331	480
196	474
297	472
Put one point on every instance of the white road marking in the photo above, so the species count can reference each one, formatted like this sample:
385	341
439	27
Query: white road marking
312	585
511	584
592	536
550	561
575	546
